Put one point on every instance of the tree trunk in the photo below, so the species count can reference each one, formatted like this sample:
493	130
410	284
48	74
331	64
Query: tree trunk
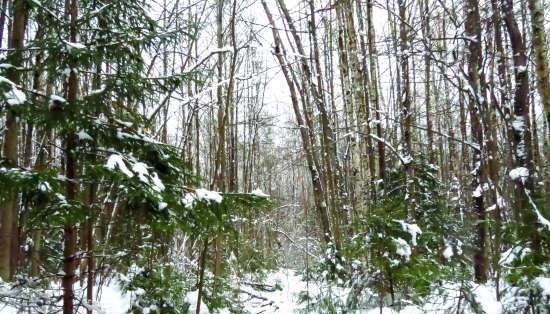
8	223
373	60
406	114
327	132
538	35
200	285
230	108
70	232
426	32
523	184
475	106
320	203
219	161
3	19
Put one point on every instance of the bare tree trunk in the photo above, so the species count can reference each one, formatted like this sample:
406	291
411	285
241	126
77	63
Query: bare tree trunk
492	147
365	88
92	211
320	203
476	105
347	95
230	101
8	223
426	32
523	150
542	72
70	232
373	60
334	169
219	161
219	181
202	267
44	155
449	119
463	134
3	19
406	114
327	132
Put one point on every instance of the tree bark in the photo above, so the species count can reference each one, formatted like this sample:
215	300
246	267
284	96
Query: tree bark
406	114
521	125
202	267
373	60
426	32
318	189
219	161
230	103
476	103
70	232
8	223
328	136
538	35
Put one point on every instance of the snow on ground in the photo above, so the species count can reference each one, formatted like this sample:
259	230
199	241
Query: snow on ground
278	301
284	299
486	296
111	301
191	298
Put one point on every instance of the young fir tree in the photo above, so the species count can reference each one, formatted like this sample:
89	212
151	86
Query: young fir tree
110	194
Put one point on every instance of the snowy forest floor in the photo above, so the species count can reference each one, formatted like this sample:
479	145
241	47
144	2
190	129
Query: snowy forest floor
280	293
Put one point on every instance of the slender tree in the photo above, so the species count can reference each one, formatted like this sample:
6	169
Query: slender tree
476	105
9	209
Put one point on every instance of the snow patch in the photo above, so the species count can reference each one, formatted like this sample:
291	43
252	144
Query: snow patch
95	92
157	183
402	248
141	170
162	205
191	298
543	221
486	297
71	45
44	187
56	98
519	173
15	97
407	159
477	192
188	200
213	196
512	254
7	81
518	124
544	284
521	68
412	229
258	192
448	252
115	161
83	136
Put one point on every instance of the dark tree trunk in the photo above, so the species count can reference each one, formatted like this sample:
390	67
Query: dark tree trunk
70	232
8	210
476	106
523	184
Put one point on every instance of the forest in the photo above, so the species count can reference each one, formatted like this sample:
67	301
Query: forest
274	156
